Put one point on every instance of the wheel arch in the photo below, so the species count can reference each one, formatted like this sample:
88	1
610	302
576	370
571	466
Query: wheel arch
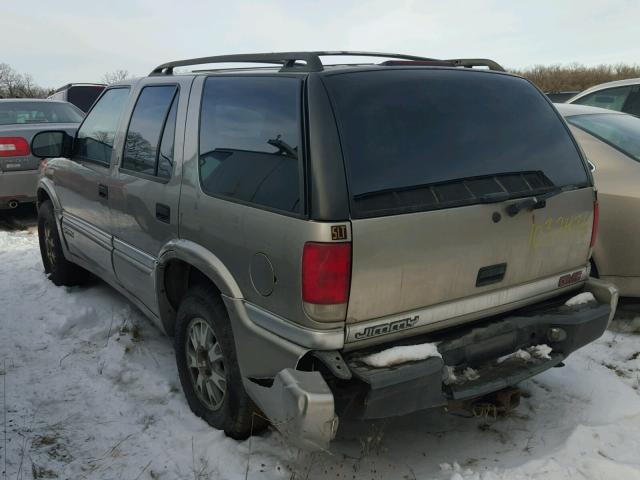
181	264
46	191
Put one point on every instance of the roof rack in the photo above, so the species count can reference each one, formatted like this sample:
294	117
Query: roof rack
291	61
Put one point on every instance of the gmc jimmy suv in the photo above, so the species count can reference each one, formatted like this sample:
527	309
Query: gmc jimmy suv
332	241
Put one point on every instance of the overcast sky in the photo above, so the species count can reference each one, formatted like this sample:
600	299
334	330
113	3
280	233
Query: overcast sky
79	40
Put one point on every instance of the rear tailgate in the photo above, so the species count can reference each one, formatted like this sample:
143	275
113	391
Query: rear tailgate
434	158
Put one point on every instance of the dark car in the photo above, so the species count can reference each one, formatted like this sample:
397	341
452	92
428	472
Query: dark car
82	95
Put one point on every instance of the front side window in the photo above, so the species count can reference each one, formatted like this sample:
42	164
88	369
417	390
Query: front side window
250	137
97	133
143	142
620	131
611	98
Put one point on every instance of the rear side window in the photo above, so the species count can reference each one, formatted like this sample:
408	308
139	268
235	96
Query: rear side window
426	139
611	98
97	133
632	105
145	144
250	140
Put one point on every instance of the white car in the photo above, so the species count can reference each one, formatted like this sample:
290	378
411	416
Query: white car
621	95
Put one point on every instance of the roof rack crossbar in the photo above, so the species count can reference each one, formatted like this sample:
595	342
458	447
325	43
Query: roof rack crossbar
288	60
476	62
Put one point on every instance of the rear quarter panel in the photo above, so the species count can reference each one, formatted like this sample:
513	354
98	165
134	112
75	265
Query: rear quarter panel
617	178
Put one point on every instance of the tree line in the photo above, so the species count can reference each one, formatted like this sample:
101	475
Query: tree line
559	78
14	84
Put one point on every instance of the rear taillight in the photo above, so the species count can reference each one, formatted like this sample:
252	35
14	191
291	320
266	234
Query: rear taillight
596	219
326	278
13	147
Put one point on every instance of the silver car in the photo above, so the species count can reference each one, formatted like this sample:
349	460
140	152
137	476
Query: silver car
332	241
20	120
620	95
611	142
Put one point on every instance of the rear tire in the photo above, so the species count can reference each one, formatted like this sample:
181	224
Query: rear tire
208	366
60	270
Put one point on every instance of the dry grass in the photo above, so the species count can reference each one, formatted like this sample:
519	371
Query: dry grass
558	78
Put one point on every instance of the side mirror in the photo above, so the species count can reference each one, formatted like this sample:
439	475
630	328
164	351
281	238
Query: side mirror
51	144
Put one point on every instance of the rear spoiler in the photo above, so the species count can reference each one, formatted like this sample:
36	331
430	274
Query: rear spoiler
476	62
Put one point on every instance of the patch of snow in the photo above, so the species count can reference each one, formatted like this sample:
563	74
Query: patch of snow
518	354
580	299
541	351
403	354
85	399
470	374
450	377
453	376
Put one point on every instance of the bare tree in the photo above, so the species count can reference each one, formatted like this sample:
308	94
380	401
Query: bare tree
17	85
115	76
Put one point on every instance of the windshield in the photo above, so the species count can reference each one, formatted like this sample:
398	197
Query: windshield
14	113
619	131
422	139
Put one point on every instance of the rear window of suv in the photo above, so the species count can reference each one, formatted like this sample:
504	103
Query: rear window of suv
425	139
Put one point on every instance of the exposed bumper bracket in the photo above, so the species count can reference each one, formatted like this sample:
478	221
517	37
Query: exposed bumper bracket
300	405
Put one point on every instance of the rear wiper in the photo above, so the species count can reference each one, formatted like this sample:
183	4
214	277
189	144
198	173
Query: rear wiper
538	201
284	147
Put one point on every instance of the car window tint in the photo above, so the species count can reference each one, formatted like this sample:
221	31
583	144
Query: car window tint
424	139
619	131
611	98
165	157
97	133
250	140
145	128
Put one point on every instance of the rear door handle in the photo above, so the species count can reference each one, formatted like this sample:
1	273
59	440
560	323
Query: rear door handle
103	191
163	213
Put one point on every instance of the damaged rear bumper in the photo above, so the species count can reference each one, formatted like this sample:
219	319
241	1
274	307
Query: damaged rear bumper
305	405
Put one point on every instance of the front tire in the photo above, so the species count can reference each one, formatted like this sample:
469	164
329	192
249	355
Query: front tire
208	366
60	270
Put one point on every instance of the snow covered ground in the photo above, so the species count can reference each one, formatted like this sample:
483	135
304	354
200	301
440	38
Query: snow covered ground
90	390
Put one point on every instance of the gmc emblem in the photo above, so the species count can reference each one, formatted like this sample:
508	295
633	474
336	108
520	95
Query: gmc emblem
569	278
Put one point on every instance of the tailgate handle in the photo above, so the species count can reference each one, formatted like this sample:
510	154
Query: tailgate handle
491	274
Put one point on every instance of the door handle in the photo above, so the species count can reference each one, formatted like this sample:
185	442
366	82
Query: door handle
163	213
103	191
